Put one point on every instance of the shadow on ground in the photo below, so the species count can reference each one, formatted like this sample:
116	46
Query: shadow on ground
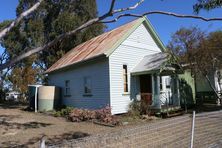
206	108
12	105
35	142
14	125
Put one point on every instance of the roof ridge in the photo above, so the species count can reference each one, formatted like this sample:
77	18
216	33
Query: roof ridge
99	45
107	32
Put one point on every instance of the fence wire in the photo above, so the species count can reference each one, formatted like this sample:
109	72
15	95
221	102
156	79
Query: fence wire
168	133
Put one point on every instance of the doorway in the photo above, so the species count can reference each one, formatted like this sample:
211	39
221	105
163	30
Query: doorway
146	90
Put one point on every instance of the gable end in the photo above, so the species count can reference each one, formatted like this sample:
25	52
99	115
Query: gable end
149	28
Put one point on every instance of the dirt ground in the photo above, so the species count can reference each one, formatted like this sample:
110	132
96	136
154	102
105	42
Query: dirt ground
20	128
25	129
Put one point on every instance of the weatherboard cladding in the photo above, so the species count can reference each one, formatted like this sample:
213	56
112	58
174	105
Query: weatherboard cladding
127	44
130	52
94	47
98	71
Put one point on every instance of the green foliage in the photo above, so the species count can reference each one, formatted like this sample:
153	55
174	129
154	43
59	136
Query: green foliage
201	52
207	5
64	112
51	19
135	108
54	18
4	24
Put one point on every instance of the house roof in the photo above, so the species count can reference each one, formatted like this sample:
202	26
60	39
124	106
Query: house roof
152	63
103	44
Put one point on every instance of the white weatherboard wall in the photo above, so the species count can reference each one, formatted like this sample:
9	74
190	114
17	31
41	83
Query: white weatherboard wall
98	72
130	52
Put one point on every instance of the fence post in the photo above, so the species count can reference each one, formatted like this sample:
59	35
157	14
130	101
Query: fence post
42	142
192	131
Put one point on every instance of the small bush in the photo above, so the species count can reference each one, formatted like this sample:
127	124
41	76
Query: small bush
64	112
77	115
135	108
138	108
102	115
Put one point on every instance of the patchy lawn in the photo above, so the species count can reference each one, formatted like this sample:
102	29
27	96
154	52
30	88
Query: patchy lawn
25	129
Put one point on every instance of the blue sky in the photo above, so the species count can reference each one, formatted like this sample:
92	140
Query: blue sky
164	25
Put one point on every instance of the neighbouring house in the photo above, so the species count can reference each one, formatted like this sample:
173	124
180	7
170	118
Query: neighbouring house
12	96
204	90
187	87
117	67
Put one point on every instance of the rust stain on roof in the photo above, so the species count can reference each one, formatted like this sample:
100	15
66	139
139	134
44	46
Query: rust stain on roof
92	48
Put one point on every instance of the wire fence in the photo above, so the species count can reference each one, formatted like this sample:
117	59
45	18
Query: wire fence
169	133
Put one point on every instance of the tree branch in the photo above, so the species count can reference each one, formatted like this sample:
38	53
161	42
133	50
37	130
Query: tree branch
99	20
60	37
128	8
112	6
18	19
163	13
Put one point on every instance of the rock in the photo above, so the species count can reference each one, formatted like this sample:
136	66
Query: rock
125	123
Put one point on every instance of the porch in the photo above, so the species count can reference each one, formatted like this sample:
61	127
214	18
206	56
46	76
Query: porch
156	88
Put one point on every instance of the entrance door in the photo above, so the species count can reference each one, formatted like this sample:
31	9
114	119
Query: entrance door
146	89
145	84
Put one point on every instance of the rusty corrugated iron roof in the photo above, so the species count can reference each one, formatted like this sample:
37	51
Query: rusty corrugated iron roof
94	47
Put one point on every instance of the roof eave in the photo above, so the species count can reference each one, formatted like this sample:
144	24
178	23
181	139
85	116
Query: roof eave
80	62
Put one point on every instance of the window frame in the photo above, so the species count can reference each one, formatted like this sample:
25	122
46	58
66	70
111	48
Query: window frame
67	87
87	86
168	82
161	83
125	78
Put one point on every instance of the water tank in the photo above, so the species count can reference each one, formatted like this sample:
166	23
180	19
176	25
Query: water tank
33	96
48	98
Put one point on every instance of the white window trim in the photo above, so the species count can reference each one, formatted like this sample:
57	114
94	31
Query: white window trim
127	74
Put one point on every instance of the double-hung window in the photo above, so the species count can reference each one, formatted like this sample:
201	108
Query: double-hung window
87	85
67	88
125	79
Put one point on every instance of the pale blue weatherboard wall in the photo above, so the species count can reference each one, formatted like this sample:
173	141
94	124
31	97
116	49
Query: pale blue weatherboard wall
130	52
98	70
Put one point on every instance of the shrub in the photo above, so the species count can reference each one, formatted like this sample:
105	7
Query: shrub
64	112
135	108
138	108
102	115
77	115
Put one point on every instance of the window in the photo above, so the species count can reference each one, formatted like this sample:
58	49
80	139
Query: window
167	81
87	85
161	83
67	88
125	78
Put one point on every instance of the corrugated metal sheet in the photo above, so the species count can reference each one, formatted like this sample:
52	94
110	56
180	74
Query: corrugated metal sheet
151	62
92	48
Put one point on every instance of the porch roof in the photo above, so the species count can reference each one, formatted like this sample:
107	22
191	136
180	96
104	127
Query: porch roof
153	63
